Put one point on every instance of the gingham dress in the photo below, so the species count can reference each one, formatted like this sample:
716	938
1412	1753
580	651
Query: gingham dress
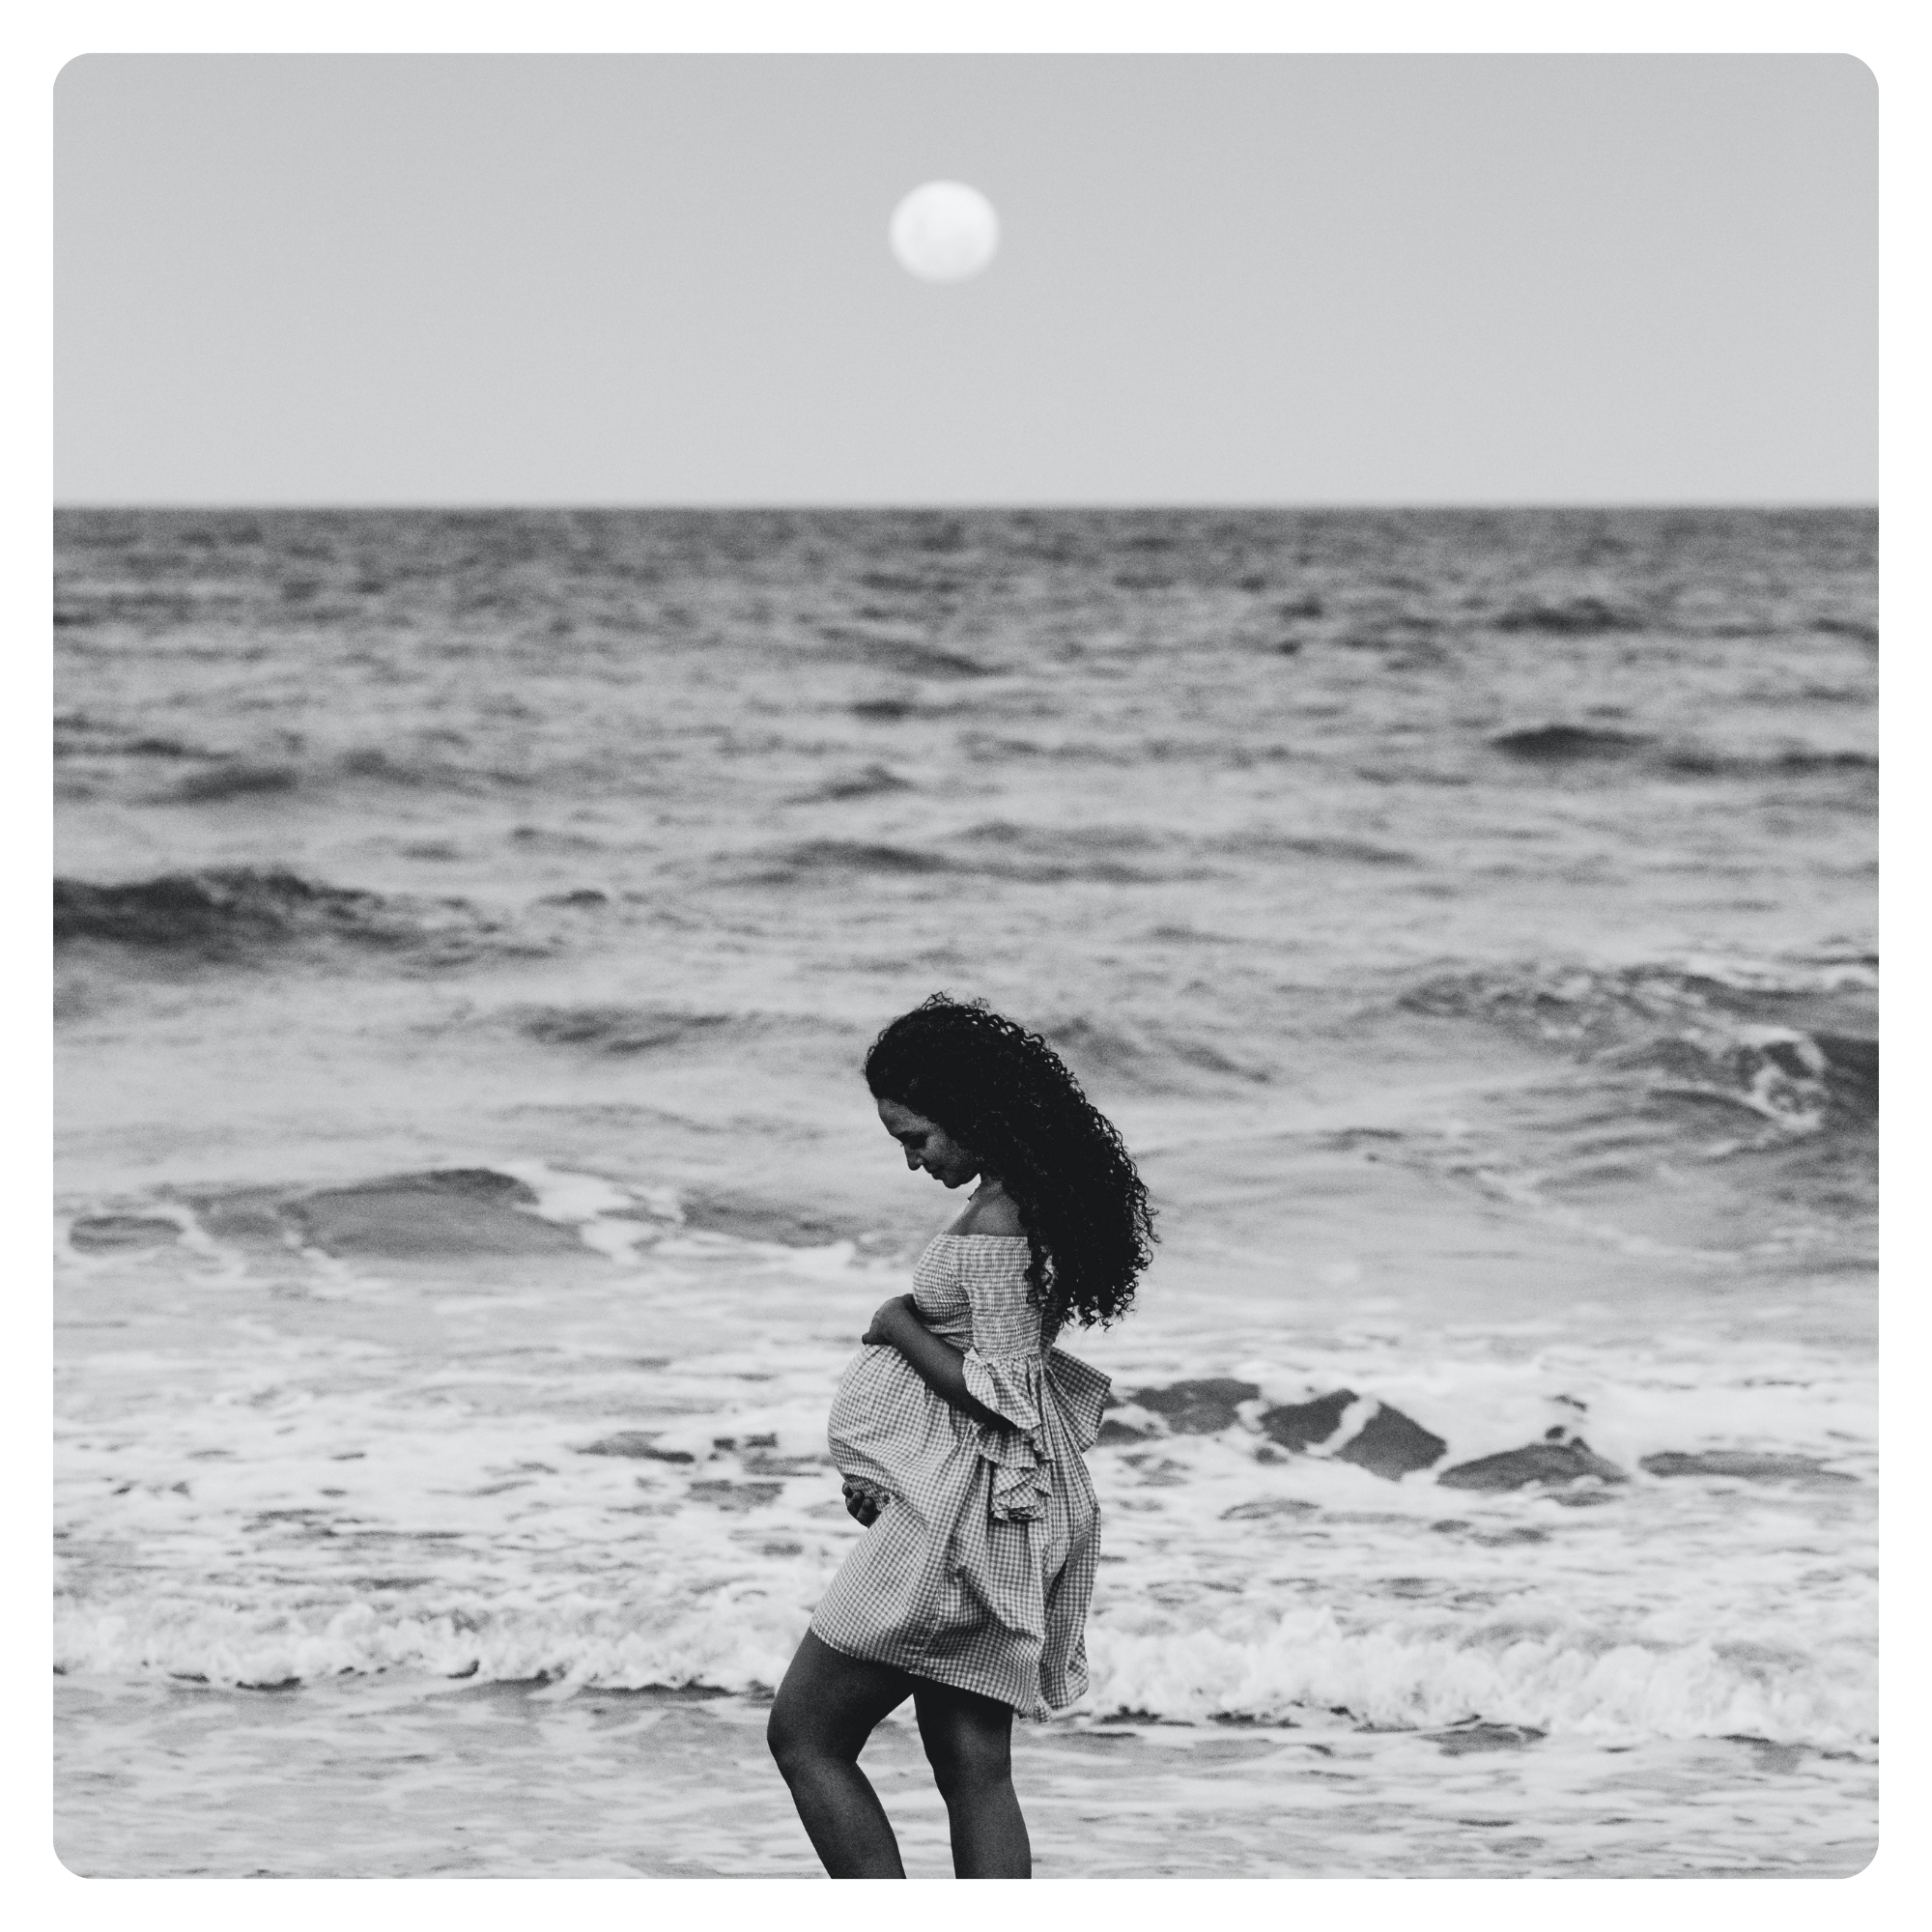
980	1566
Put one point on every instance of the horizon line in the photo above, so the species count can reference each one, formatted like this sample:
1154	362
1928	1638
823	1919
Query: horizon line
972	505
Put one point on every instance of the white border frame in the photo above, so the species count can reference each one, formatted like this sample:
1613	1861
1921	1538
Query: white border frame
45	38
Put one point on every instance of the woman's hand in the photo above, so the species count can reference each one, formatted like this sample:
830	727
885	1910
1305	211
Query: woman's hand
889	1323
860	1507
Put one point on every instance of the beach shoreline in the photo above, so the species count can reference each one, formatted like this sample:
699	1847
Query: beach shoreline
382	1778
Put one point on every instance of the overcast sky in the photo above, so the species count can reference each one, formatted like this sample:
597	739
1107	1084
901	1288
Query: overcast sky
1253	279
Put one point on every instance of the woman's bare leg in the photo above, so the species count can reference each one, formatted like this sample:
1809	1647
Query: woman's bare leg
969	1744
827	1707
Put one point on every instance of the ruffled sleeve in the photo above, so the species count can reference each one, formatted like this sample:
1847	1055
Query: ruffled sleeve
1012	1386
1083	1395
1007	1372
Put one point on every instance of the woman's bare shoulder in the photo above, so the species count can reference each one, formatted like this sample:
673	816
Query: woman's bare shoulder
997	1214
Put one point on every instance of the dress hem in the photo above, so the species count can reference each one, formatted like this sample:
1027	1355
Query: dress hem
1035	1711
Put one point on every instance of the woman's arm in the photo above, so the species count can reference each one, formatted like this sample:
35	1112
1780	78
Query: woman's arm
940	1365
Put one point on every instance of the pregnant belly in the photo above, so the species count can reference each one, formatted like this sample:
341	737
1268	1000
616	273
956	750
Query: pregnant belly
883	1416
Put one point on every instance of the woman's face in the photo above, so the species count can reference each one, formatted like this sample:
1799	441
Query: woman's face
928	1144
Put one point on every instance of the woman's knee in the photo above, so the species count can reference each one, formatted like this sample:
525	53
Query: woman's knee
798	1735
827	1706
789	1737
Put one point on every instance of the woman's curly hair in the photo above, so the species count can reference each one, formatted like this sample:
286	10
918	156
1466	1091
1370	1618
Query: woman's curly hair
1005	1094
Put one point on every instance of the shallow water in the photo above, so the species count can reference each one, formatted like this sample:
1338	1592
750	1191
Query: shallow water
393	1781
1467	919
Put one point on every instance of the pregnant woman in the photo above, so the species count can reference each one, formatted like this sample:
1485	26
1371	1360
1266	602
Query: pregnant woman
959	1428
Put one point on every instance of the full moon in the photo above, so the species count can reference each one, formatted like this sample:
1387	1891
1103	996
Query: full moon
945	232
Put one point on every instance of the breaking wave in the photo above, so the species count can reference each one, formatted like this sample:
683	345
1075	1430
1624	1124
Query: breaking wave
1276	1560
1795	1044
1544	1674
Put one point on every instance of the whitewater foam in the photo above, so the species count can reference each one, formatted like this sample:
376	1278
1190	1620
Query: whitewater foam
565	1510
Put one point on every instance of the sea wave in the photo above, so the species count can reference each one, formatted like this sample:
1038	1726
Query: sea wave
234	780
80	734
623	1028
1542	1673
1151	1059
1026	856
1559	745
909	657
1581	616
871	781
231	913
1569	744
1263	843
515	1213
1794	1043
1791	761
840	858
87	752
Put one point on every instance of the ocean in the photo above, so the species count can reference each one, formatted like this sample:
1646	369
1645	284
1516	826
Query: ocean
469	930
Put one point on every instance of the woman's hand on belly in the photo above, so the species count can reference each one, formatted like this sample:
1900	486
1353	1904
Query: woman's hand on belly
861	1506
888	1322
935	1360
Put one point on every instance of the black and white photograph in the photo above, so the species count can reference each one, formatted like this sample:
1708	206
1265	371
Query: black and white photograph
965	965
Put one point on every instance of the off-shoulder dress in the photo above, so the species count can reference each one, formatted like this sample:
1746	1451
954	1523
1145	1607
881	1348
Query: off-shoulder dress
980	1569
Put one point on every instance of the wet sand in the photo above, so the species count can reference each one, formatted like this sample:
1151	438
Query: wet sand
391	1780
